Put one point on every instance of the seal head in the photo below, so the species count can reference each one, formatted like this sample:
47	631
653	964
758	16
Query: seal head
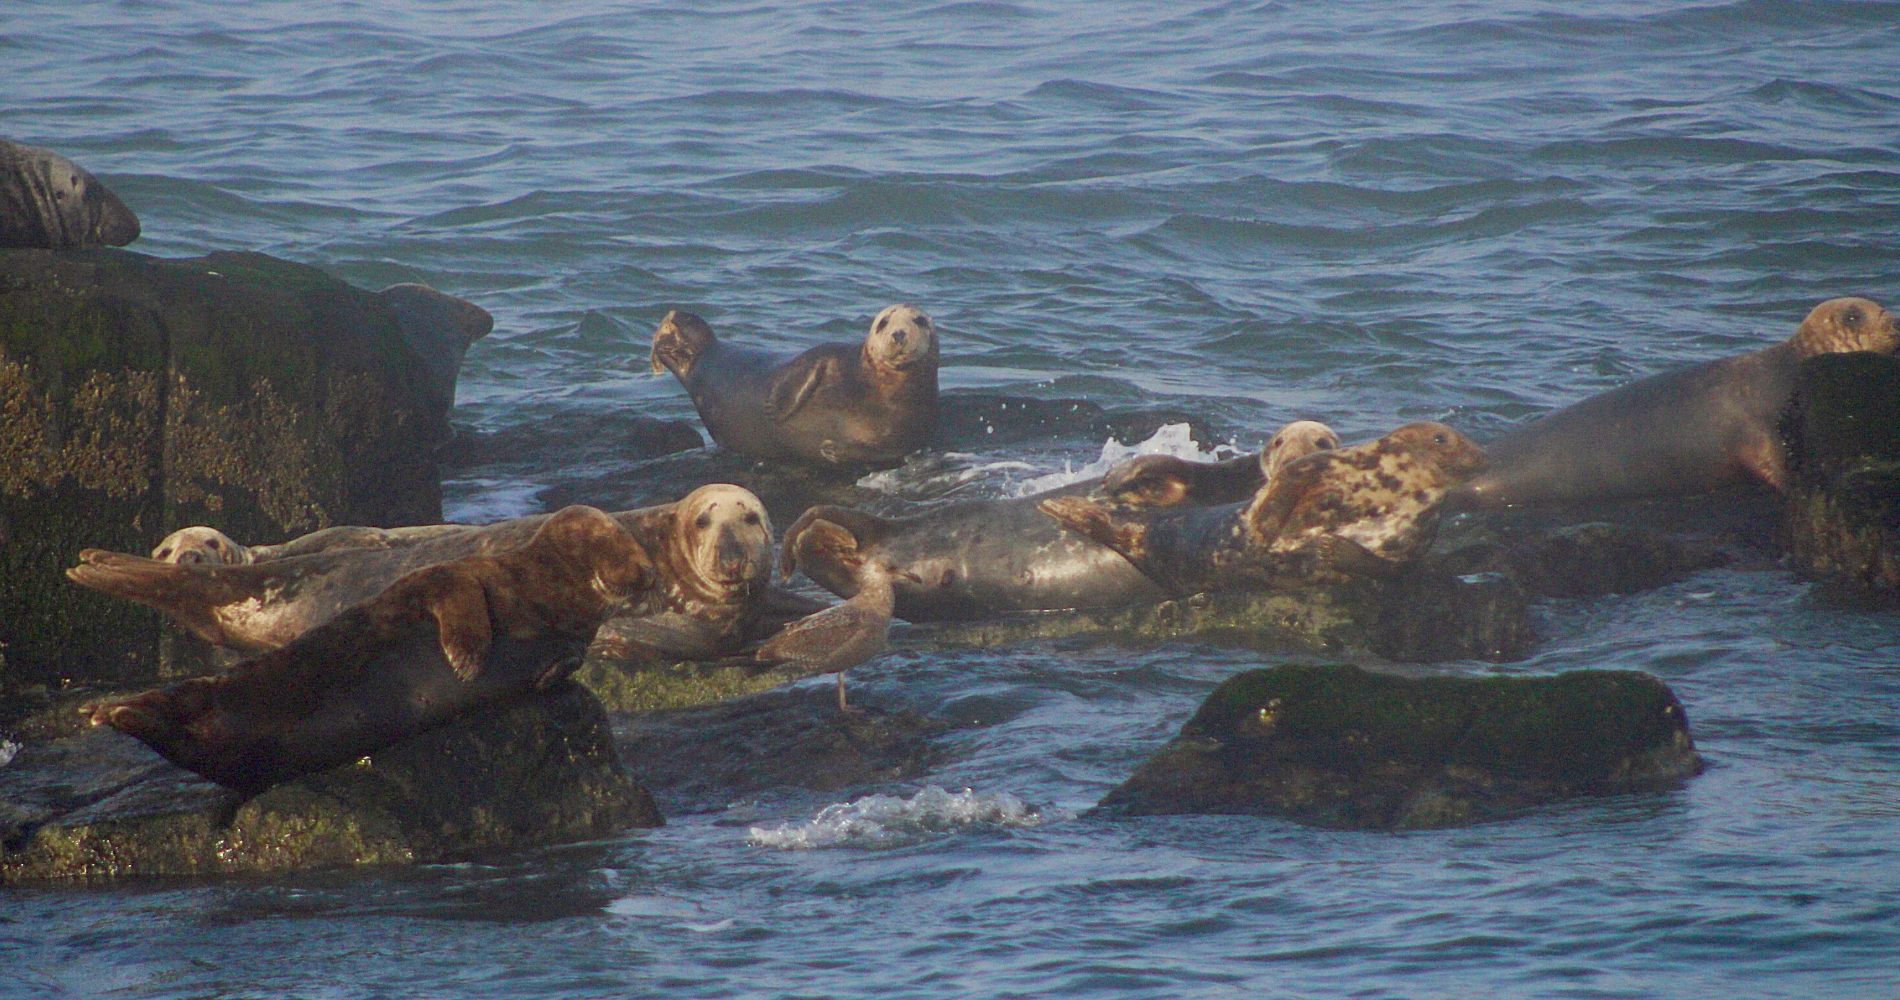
48	202
199	544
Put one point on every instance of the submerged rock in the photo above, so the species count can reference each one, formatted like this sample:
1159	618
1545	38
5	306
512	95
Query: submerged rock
1843	511
1348	748
142	394
539	771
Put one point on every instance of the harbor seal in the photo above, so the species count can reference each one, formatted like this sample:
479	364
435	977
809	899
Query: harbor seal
1687	431
1170	481
835	403
1325	518
438	642
48	202
711	552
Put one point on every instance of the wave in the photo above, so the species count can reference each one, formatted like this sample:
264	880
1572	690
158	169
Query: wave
881	821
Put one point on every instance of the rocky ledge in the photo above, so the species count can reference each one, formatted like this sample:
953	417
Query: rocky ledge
1348	748
1843	510
539	771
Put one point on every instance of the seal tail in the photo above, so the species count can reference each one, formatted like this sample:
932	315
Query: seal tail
680	340
189	593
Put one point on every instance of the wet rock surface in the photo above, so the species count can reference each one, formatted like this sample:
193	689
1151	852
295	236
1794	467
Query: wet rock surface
1843	511
538	771
1345	747
702	758
142	394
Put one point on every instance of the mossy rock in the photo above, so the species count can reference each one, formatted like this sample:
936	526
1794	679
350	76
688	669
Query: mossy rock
1350	748
539	771
139	395
1843	511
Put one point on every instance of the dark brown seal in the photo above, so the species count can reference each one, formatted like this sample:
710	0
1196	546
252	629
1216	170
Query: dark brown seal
48	202
1169	481
836	403
438	642
711	551
1328	517
1682	432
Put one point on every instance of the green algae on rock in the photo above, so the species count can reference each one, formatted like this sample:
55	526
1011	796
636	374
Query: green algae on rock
1843	510
538	771
141	394
1349	748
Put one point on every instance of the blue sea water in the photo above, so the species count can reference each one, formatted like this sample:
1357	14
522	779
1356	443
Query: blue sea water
1363	213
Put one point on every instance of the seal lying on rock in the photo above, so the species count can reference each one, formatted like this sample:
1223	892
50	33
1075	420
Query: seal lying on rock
201	544
439	641
1324	518
1170	481
711	551
834	403
1686	431
48	202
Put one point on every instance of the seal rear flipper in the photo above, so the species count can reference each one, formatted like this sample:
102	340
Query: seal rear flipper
190	593
1097	523
679	341
793	384
829	535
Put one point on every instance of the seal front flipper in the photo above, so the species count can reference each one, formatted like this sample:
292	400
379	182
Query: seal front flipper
461	616
1097	523
795	383
831	537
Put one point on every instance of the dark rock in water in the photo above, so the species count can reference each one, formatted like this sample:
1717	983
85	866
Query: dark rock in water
702	758
264	398
538	771
1421	615
1581	560
982	419
1348	748
1843	511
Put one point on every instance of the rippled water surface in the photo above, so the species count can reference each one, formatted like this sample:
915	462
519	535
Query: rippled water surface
1258	211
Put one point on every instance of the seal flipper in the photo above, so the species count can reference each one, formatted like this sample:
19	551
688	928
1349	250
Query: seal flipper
797	381
189	593
461	616
1097	523
829	534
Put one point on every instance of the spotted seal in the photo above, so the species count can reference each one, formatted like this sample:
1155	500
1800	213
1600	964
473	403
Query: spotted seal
1324	518
835	403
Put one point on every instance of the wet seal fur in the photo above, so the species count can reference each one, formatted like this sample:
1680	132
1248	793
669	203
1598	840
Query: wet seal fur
835	403
1170	481
48	202
711	574
438	642
1688	431
1328	517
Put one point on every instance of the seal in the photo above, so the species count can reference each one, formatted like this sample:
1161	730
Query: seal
1687	431
48	202
711	552
842	636
965	561
834	404
1170	481
202	544
438	642
1325	518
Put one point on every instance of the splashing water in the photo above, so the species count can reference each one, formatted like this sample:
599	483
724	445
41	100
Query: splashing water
887	821
1171	439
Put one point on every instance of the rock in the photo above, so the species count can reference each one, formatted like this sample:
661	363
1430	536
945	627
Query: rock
1843	510
538	771
704	757
1422	615
141	394
1348	748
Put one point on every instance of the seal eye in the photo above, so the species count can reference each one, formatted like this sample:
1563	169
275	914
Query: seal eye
1440	439
1852	316
213	543
703	522
750	518
1275	444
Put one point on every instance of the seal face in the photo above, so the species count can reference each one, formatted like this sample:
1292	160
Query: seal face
199	544
1168	481
1327	517
1687	431
833	404
439	641
48	202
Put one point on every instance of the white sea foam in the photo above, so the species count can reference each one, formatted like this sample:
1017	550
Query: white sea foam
886	820
1171	439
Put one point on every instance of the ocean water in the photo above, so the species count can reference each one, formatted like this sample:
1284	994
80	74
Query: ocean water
1361	213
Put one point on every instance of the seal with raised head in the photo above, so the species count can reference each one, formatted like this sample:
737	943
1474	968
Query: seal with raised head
440	641
711	552
1325	518
1171	481
835	403
48	202
1688	431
